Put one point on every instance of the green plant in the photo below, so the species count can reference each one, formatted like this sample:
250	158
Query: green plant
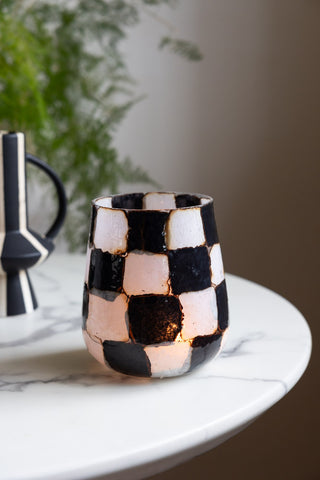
64	81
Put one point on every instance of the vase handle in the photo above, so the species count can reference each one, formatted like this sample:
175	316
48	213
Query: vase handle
58	222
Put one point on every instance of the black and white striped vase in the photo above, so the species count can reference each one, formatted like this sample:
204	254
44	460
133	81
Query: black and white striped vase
20	247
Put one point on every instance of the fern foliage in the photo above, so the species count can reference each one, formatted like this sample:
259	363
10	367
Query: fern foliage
65	83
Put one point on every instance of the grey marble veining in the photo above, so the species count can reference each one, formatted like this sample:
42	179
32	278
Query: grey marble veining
53	394
56	327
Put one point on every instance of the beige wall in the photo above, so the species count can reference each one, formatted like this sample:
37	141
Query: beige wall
243	125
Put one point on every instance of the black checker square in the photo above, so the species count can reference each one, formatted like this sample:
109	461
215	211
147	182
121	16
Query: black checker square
186	200
147	230
128	201
92	223
128	358
105	271
209	224
205	348
189	269
222	304
154	318
85	305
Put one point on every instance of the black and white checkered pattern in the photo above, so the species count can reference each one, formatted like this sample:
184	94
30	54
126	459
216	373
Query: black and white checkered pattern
155	300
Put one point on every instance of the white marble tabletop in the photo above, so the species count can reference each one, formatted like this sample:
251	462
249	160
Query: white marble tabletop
63	416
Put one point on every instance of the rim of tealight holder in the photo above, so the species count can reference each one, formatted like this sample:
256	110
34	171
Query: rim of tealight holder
203	200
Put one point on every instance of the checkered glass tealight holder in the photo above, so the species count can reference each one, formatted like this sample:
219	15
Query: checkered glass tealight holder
155	301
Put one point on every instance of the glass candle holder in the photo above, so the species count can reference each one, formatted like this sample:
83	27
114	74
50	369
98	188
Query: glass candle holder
155	300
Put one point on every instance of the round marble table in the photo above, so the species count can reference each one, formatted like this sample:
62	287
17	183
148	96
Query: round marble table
63	416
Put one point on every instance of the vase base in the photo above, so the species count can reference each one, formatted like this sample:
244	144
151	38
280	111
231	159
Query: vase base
16	294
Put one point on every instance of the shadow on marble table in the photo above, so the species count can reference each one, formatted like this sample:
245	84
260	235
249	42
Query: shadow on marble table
71	367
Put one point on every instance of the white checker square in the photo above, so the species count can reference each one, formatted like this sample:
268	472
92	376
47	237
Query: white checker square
111	229
200	314
169	360
94	347
107	320
185	229
159	201
88	259
217	271
146	273
104	202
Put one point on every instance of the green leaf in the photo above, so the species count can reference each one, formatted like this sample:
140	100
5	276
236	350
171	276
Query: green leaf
185	49
64	81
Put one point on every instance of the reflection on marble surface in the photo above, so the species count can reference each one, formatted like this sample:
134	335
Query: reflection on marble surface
50	383
76	366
